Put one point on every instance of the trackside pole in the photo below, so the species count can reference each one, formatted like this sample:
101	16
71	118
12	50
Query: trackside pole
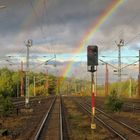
138	94
28	45
93	125
92	62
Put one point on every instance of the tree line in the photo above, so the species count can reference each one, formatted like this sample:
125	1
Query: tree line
10	83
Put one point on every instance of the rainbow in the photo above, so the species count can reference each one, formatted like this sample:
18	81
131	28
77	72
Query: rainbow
91	31
89	34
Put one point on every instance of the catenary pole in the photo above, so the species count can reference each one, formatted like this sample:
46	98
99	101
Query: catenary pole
138	95
28	45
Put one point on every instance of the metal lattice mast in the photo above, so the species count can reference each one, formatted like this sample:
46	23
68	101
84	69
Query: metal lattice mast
139	78
34	86
106	79
22	81
120	44
28	45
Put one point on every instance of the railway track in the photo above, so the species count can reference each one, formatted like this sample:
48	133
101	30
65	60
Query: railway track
120	129
130	105
133	107
52	126
20	102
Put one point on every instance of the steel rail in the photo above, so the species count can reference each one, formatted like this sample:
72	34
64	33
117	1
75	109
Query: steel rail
65	127
44	120
21	101
120	122
132	106
101	121
128	104
61	120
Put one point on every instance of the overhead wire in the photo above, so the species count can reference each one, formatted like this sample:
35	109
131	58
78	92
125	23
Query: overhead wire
127	23
6	3
132	19
36	16
43	17
42	21
122	30
132	39
51	49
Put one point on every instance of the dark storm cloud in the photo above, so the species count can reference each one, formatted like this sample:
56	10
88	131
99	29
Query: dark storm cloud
12	16
63	23
61	20
74	10
57	12
76	14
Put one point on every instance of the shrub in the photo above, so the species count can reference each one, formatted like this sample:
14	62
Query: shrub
6	106
113	102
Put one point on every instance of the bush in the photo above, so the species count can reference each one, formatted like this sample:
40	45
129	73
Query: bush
113	102
6	106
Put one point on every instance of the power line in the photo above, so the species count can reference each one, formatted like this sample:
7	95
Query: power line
43	16
36	15
44	12
42	21
43	63
128	23
129	64
132	39
121	56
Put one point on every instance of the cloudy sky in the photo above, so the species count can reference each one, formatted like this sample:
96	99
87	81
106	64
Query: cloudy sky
59	26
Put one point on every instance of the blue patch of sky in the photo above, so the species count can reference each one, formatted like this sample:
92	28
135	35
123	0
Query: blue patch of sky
44	41
128	55
74	57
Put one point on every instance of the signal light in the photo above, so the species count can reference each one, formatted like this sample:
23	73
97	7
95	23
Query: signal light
92	55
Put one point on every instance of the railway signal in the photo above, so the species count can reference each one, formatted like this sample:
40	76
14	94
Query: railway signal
92	58
92	62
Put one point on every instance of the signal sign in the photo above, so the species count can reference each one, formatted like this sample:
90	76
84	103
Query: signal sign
92	55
